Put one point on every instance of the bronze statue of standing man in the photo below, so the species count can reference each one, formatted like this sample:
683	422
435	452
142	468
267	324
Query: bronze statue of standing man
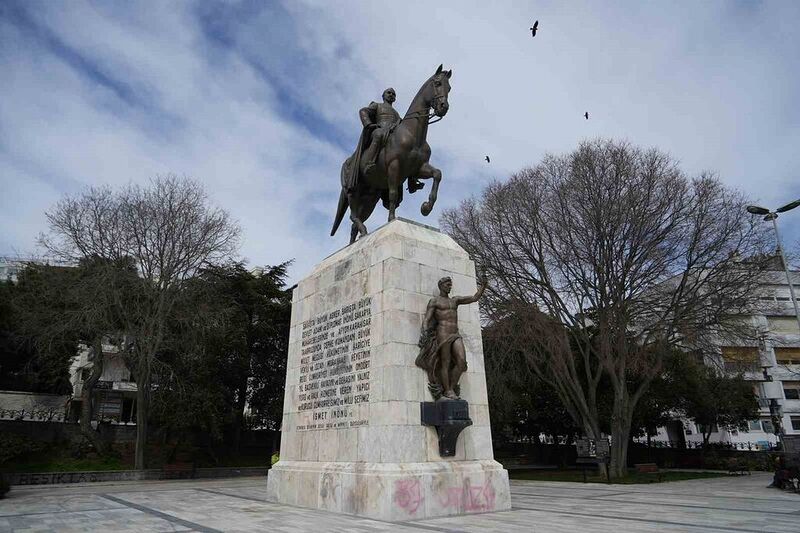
442	354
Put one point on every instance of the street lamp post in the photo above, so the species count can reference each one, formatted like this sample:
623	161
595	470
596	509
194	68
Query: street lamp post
774	407
773	216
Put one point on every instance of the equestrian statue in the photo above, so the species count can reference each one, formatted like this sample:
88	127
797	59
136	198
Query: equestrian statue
390	151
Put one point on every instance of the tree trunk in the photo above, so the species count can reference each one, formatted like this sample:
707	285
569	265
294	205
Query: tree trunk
591	430
87	398
142	409
238	420
241	394
620	434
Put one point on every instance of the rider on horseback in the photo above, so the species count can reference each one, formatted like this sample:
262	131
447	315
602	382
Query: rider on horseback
396	151
381	119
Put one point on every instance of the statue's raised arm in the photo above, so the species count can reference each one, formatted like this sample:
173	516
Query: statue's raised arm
466	300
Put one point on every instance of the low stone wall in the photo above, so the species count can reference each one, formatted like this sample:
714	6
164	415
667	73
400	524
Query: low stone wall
57	478
53	432
50	432
713	458
564	456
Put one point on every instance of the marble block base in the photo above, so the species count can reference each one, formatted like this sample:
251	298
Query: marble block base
352	434
392	491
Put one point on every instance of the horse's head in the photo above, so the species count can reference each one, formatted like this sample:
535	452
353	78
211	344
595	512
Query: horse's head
440	87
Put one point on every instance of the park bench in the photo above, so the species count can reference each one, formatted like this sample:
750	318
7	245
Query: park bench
738	468
794	479
648	468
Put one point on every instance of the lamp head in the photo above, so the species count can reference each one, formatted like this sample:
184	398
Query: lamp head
788	207
754	209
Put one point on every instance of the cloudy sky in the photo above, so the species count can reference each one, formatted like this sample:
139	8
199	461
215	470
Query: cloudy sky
259	100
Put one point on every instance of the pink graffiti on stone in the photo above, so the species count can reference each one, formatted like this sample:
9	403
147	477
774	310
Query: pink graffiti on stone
407	494
469	497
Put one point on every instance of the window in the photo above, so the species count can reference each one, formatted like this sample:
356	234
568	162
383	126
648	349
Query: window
783	324
698	357
791	390
766	425
754	425
796	423
787	356
741	358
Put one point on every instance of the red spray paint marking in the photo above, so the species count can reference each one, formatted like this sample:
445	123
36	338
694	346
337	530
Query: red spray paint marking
407	494
469	497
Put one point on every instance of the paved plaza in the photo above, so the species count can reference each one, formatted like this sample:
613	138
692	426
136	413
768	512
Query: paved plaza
718	504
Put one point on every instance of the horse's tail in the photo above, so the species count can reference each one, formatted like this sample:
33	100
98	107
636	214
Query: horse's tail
340	211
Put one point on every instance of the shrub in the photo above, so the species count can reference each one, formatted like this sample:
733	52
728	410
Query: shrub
15	446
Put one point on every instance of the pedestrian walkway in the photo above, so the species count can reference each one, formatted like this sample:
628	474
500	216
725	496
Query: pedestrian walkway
741	503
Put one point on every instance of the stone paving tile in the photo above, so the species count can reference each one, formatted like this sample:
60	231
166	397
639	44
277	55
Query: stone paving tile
521	520
235	513
669	500
748	508
74	521
54	504
259	492
727	504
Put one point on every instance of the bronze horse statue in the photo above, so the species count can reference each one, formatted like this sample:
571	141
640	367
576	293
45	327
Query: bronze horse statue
404	157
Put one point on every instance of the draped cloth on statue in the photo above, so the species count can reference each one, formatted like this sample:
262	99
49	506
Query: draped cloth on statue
351	177
428	358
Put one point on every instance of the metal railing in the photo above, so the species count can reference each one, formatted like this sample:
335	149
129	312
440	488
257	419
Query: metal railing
35	415
737	367
691	445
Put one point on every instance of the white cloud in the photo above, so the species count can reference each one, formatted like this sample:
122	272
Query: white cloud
259	104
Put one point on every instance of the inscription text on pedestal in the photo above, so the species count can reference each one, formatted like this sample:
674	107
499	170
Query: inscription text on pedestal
335	366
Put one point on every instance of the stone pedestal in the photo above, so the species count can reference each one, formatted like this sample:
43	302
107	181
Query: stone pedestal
352	435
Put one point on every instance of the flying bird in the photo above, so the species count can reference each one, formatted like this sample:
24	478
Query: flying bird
487	159
534	28
586	115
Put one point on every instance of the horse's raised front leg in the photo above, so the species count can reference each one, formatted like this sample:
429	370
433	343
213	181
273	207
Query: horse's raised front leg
427	171
395	181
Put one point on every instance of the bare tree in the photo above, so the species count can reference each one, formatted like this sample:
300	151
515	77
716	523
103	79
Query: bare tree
168	230
605	260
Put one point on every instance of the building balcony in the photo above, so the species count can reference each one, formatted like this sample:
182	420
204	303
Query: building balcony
751	370
122	386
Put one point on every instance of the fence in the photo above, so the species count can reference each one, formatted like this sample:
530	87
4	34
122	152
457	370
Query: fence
760	446
33	406
33	415
715	457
